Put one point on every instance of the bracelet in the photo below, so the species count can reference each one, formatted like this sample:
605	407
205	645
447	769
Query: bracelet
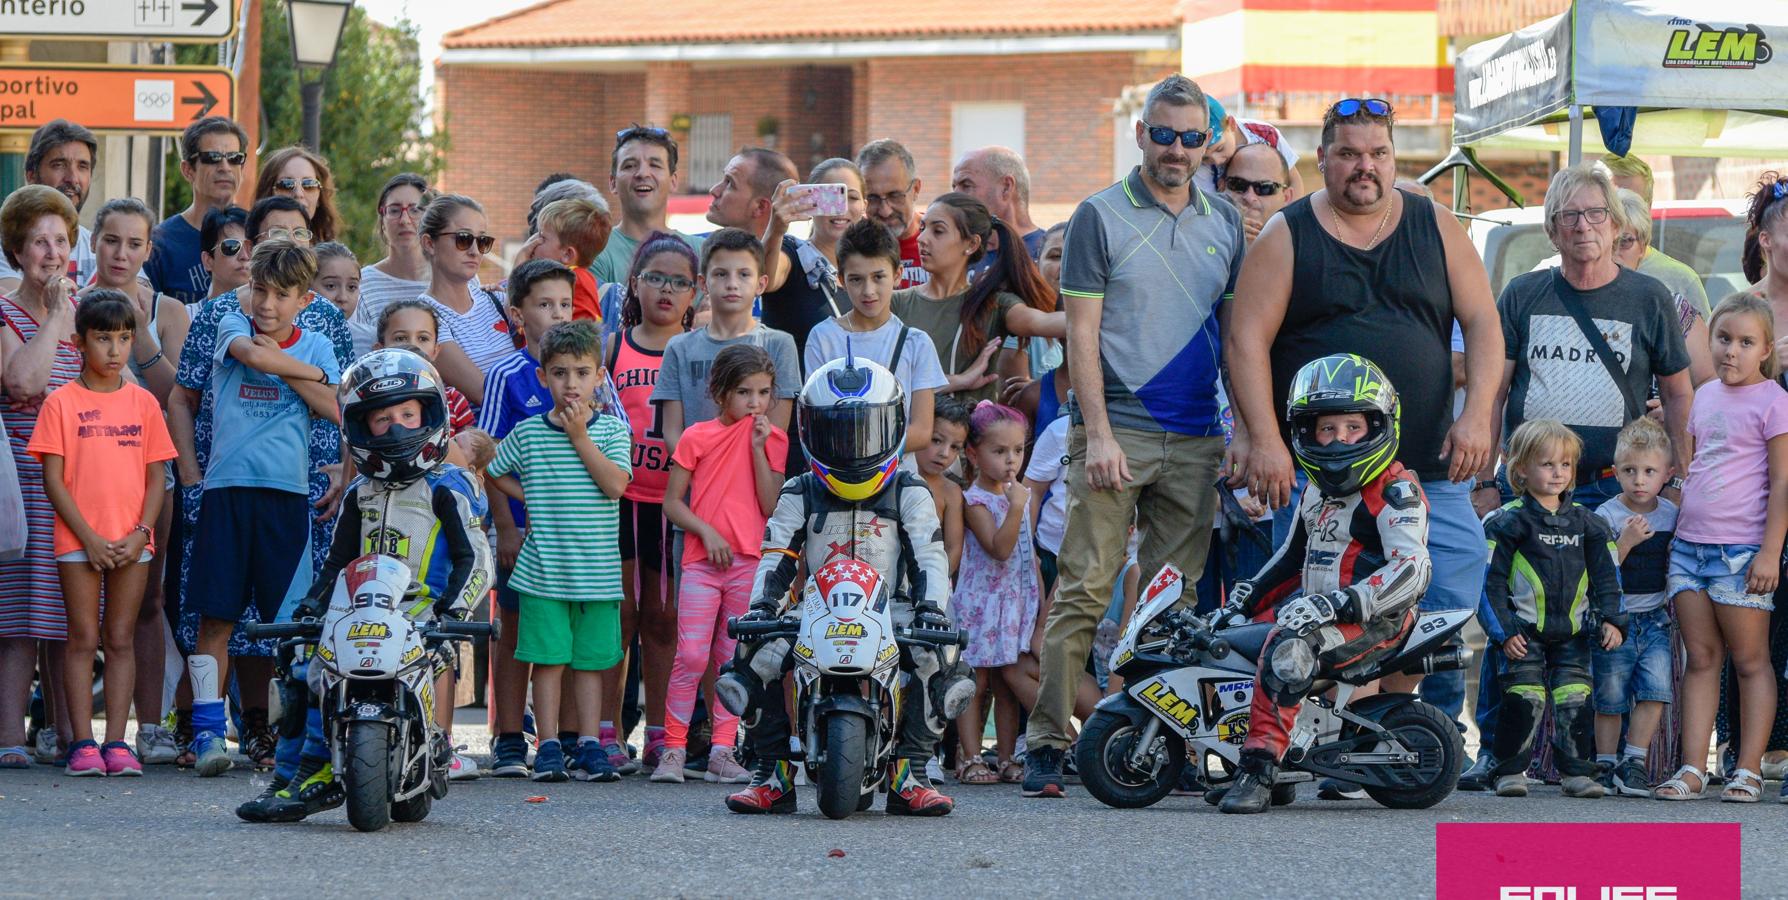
159	355
143	528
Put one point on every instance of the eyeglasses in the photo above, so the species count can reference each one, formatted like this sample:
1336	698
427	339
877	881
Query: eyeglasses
300	235
1242	186
229	246
292	184
1594	215
1625	241
1346	109
1165	136
891	199
463	240
214	157
635	131
676	283
396	211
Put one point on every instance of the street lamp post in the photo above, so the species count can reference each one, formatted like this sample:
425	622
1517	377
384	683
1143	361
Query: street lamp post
316	27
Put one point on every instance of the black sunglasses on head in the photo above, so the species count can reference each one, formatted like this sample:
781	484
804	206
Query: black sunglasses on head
213	157
463	240
1243	186
1165	136
633	131
1353	105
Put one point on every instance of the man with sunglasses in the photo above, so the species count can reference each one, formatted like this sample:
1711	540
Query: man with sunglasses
642	174
61	156
1360	267
213	153
1148	265
1258	181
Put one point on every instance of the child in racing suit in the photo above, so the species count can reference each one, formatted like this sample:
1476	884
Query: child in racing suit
1344	586
853	504
408	503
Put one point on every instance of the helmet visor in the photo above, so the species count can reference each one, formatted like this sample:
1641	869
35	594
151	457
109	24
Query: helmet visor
853	436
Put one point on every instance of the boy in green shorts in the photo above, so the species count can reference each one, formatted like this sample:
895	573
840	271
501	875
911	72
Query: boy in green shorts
569	465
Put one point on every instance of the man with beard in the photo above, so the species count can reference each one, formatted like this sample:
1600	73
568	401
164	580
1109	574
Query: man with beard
61	156
890	188
1359	267
213	152
1148	266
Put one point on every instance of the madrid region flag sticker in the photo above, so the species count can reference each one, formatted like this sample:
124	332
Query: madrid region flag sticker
1582	861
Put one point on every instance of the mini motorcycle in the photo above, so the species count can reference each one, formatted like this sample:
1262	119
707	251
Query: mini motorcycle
1188	684
847	680
374	671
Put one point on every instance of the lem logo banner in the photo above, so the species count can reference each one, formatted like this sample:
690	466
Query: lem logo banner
1586	861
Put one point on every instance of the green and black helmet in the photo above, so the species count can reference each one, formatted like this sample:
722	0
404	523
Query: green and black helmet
1337	384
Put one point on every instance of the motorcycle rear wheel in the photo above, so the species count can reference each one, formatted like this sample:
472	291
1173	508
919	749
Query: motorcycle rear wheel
1101	755
1426	731
841	775
367	776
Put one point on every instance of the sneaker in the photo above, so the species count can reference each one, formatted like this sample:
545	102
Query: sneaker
1477	778
1582	787
315	793
463	767
49	747
1043	772
623	761
648	759
509	756
1512	785
670	766
1627	779
772	790
120	760
256	810
1336	789
549	762
593	764
696	766
934	771
213	757
84	760
724	768
155	745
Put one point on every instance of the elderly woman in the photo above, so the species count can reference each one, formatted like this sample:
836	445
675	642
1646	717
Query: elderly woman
1630	248
37	355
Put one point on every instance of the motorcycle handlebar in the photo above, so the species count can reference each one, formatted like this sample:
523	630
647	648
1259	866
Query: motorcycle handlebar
281	630
736	628
933	637
464	631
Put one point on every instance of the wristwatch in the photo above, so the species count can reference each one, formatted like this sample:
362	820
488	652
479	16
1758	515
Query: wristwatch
1675	482
1486	485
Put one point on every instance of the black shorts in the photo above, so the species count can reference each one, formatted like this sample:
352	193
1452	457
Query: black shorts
645	534
250	546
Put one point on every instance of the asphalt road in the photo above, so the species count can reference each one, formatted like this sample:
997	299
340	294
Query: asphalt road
171	833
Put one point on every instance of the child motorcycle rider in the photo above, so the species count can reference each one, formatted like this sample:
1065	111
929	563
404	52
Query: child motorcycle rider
407	503
1344	587
854	503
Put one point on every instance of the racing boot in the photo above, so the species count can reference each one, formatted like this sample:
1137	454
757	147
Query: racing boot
772	790
256	810
313	790
909	795
1252	791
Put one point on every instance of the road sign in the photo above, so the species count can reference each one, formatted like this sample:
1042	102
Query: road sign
192	21
114	98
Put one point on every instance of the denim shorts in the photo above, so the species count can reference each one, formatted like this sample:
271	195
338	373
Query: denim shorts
1639	669
1718	569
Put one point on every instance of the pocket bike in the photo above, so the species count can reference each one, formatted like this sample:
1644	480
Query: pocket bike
1188	684
373	670
848	691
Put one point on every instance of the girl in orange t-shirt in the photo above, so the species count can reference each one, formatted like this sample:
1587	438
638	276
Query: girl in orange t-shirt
103	443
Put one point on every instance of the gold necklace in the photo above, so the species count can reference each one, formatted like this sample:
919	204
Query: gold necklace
1336	218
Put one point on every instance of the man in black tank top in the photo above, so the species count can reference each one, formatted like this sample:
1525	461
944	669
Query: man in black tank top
1360	267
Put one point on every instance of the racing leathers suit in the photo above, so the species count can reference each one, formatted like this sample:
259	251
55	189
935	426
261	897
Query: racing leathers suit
895	532
1362	561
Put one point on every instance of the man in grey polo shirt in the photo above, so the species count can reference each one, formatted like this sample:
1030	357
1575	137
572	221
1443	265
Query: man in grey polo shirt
1147	267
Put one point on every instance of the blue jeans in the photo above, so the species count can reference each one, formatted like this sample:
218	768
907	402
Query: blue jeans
1639	669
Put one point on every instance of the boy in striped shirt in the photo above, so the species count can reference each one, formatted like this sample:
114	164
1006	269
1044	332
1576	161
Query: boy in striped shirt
570	465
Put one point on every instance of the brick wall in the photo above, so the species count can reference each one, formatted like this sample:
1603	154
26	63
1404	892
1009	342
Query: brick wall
805	101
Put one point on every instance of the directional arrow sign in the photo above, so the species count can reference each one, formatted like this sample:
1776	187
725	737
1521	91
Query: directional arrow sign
192	21
114	98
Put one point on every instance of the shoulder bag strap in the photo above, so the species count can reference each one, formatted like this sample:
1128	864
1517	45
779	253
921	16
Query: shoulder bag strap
1573	304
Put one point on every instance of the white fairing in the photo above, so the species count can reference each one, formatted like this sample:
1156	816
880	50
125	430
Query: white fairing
1159	596
847	626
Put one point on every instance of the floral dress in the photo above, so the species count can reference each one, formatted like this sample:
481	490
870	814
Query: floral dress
194	373
996	601
31	588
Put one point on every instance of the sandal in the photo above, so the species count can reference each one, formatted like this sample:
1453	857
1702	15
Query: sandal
1679	789
1011	772
1744	786
15	757
973	771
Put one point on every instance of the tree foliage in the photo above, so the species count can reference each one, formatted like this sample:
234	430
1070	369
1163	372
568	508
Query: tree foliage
372	116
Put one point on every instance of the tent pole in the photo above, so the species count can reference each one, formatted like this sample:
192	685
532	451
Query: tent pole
1576	155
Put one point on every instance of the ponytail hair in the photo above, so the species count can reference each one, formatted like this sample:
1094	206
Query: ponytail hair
1769	206
655	244
1016	273
988	414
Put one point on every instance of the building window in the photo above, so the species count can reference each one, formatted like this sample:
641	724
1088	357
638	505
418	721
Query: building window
710	146
983	124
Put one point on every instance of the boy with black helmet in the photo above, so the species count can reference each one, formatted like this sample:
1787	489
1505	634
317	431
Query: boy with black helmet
409	503
1344	587
854	503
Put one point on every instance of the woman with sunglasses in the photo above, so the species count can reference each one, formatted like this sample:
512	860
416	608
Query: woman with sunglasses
474	329
297	173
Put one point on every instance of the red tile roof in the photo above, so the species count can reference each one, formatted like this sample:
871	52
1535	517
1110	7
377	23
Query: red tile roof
557	23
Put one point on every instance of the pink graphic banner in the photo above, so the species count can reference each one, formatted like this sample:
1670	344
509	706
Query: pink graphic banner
1586	861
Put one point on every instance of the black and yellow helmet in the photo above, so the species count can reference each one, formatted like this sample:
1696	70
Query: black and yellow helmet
1339	384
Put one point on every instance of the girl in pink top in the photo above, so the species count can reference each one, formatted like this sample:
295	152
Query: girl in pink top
102	441
731	469
1727	558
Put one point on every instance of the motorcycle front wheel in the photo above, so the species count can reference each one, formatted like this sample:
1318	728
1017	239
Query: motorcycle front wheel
1429	733
367	777
1102	755
841	775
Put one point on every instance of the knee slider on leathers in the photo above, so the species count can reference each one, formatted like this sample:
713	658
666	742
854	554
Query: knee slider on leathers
1289	665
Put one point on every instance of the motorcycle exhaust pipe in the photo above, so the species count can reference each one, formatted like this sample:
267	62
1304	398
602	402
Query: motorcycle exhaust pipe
1446	659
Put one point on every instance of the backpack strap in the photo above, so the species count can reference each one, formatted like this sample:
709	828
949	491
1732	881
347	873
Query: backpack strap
899	348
